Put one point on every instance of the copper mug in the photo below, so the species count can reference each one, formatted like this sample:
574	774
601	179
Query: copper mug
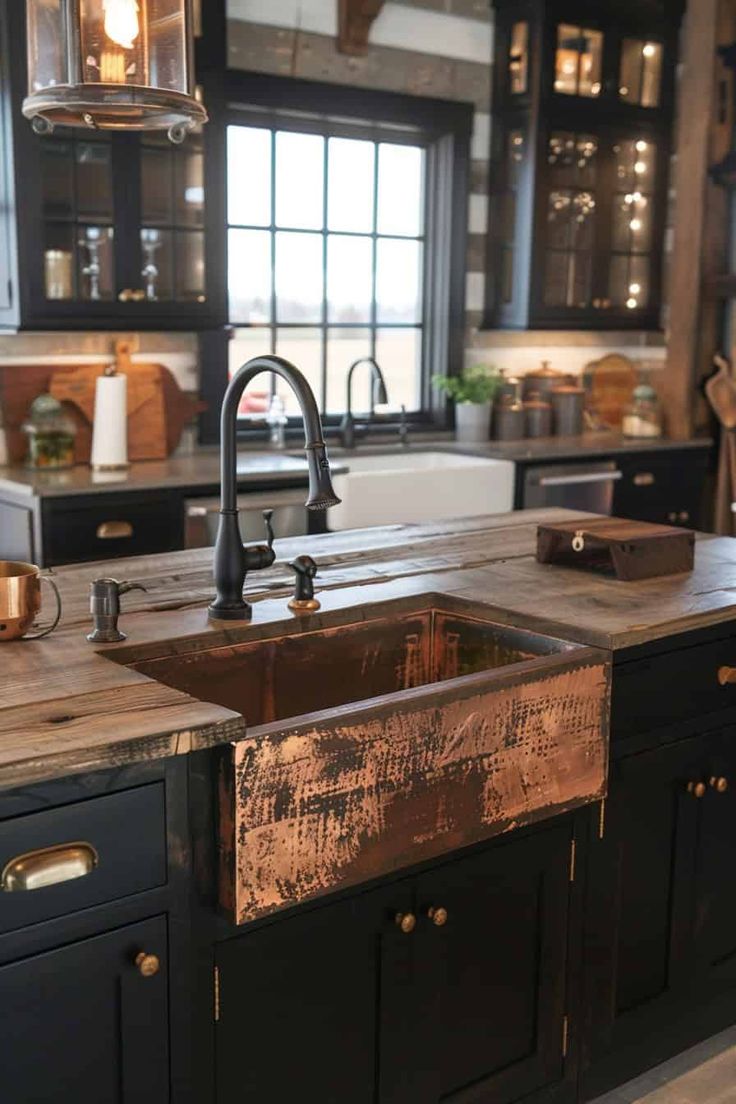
20	601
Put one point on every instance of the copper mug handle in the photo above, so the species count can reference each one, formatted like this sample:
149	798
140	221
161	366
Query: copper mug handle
50	628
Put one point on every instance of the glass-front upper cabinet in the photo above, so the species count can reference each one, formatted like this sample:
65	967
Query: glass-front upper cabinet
111	227
582	107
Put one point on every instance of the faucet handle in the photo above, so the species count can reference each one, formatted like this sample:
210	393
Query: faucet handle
305	570
267	519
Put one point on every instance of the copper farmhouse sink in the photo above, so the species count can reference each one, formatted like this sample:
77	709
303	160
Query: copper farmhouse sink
385	736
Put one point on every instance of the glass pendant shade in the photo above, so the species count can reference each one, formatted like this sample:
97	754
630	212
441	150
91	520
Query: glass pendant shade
112	65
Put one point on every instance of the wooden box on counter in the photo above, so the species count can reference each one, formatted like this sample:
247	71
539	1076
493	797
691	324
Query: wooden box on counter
630	550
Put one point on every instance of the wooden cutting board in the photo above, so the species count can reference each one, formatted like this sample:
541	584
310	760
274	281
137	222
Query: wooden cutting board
158	409
630	550
610	384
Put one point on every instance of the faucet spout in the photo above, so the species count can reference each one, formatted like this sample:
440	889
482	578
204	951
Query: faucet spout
379	395
232	559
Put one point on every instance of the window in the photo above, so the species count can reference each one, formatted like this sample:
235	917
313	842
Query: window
326	243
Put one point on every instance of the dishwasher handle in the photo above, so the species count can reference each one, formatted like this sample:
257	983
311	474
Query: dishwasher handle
582	477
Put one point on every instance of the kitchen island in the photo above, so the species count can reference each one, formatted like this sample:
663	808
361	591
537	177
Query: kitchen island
545	959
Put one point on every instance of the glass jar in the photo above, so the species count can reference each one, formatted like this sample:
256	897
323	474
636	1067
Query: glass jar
51	434
643	416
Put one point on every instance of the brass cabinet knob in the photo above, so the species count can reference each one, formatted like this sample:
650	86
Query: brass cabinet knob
697	789
438	916
406	922
720	785
727	675
125	295
138	295
148	964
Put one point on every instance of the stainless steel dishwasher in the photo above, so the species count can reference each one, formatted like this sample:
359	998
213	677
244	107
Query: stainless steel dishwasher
290	516
579	486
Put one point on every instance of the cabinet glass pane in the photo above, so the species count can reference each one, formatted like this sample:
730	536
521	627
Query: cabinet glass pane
636	160
249	275
299	277
158	263
349	278
567	279
578	61
572	159
57	178
59	261
189	285
299	180
640	78
632	223
95	262
94	181
189	187
519	58
350	185
157	199
629	282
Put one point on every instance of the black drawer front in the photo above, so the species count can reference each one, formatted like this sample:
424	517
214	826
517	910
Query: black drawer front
126	833
677	686
118	526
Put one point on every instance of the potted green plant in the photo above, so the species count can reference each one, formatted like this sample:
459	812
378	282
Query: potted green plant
473	393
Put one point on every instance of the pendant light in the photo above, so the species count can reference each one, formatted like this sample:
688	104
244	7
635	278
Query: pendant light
112	65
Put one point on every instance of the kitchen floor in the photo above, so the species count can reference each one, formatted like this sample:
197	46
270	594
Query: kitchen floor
705	1074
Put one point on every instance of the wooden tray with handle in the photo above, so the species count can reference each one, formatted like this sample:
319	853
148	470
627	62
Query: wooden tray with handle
629	550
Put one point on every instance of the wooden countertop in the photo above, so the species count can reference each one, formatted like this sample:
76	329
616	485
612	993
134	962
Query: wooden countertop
65	708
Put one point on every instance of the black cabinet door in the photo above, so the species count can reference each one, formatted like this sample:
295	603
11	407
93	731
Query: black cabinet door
638	914
299	1007
714	913
667	488
82	1023
494	1030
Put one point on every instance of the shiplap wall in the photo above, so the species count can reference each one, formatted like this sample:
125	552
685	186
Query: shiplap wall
438	48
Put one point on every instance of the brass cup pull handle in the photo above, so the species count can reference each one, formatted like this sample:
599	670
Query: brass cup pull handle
148	964
48	867
405	922
115	530
727	676
720	785
438	916
644	479
125	295
697	789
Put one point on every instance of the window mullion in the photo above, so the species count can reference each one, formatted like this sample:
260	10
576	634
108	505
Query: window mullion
325	242
374	253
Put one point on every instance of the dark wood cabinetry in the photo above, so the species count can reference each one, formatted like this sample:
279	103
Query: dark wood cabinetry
448	986
667	488
111	228
582	108
81	1022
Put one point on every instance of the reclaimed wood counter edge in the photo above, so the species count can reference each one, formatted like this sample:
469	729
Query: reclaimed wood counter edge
490	560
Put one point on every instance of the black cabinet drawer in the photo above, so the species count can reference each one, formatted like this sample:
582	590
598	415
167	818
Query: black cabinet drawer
677	686
102	849
116	525
667	489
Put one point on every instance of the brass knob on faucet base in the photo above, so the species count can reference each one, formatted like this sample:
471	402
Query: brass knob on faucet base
720	785
438	916
697	789
406	922
148	964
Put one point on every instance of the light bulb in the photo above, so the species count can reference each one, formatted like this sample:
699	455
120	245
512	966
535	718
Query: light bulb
121	22
649	50
634	289
635	224
632	303
641	145
640	167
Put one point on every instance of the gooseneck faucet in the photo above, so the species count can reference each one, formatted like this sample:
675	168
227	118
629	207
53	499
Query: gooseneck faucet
233	559
379	395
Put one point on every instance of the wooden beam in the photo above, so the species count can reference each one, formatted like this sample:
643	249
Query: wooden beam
355	20
697	92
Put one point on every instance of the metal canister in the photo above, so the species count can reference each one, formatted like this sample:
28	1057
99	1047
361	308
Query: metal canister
538	418
568	404
508	420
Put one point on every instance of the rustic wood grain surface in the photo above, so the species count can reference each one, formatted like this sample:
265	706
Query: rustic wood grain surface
100	706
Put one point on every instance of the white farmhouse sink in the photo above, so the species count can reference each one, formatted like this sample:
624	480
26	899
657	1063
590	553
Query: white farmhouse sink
420	486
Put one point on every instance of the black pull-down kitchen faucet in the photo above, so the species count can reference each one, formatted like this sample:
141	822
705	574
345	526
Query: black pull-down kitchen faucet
233	559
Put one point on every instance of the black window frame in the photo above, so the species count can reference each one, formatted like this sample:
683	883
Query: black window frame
445	127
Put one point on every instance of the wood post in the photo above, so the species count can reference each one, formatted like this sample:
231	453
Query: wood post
694	192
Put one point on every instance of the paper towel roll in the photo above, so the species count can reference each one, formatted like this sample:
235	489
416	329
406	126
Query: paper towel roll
110	431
